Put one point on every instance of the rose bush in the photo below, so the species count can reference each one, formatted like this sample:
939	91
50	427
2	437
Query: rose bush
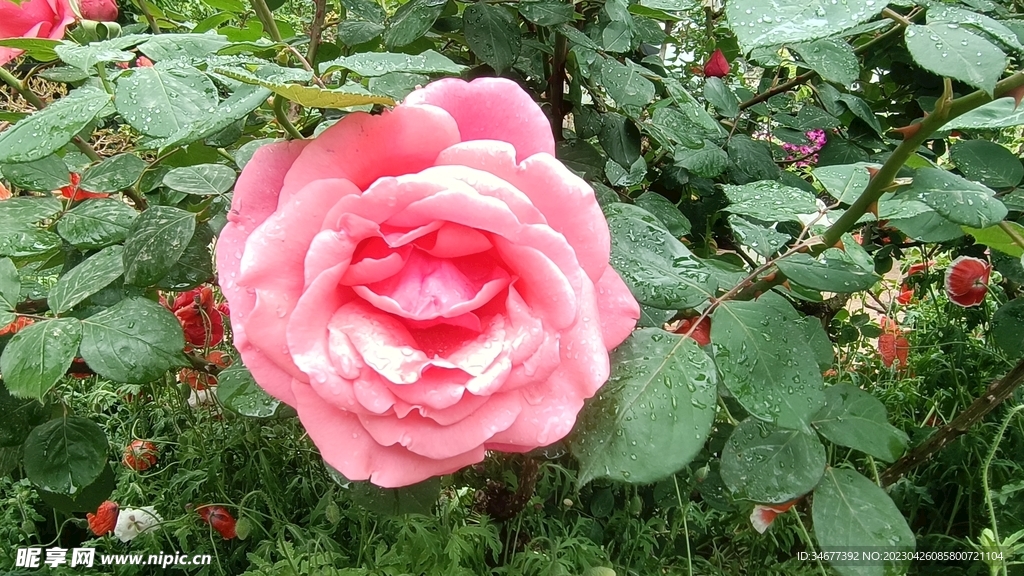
32	19
424	285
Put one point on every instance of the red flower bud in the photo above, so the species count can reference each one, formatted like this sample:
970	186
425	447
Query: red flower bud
702	333
716	66
220	519
139	455
143	62
103	521
20	323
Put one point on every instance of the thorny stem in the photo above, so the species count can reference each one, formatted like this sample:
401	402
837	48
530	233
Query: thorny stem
266	17
282	117
316	29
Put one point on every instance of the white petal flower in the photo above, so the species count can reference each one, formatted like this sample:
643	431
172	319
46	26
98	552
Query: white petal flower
134	521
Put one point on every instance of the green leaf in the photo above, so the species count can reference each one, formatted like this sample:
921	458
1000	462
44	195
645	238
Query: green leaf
87	56
136	340
237	106
155	242
201	179
88	499
49	129
372	64
356	32
719	95
670	127
862	110
654	414
92	275
366	9
620	139
113	174
851	512
833	59
546	12
65	454
949	50
986	162
769	465
694	110
625	84
763	241
28	209
979	22
751	160
658	269
309	96
576	37
833	272
41	49
769	201
956	199
493	34
1001	113
96	223
38	356
856	419
176	46
707	162
238	392
996	237
1008	327
411	21
43	175
160	102
844	182
766	363
10	286
758	24
195	266
416	499
617	36
19	240
666	212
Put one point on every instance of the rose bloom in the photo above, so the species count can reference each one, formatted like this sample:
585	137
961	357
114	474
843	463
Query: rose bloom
99	10
32	19
425	284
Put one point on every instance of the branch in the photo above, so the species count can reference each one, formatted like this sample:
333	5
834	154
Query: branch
556	86
266	17
282	117
316	29
999	391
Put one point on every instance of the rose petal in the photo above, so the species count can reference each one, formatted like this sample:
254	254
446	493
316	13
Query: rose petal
475	106
967	281
426	437
619	310
253	201
567	202
349	448
362	148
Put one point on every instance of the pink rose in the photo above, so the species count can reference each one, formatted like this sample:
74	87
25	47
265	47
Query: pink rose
424	285
99	10
32	19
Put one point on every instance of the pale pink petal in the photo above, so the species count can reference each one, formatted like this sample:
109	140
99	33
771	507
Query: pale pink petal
567	202
491	109
543	285
455	241
548	415
426	437
331	247
254	199
349	448
429	287
490	185
362	148
437	389
617	307
370	270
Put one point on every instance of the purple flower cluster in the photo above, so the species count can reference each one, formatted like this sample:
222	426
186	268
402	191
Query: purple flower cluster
806	156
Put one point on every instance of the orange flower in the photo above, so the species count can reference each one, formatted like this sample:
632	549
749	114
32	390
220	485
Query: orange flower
764	514
14	327
105	518
139	455
73	192
220	519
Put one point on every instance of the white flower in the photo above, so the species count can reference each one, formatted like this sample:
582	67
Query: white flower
134	521
201	398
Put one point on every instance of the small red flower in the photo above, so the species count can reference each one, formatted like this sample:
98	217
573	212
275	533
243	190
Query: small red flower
139	455
220	519
143	62
105	518
920	267
892	348
73	192
716	65
199	317
4	192
967	281
702	334
14	327
764	514
195	379
906	295
79	369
